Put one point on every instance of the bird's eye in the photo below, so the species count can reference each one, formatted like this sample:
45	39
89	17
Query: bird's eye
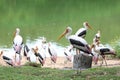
87	24
67	30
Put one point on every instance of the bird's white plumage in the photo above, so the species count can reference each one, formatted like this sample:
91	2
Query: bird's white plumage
80	31
32	57
18	40
78	39
53	51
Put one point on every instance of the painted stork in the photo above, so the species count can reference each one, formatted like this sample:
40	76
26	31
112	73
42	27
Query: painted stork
96	39
102	50
76	41
52	52
17	45
41	56
67	53
8	59
50	49
99	49
29	54
82	31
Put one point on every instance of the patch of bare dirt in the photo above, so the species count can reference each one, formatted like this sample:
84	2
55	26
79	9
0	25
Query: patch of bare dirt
62	63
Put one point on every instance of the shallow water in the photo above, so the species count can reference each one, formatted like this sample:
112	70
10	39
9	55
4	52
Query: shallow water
38	42
38	18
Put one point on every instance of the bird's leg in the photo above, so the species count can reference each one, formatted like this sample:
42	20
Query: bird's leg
52	64
105	60
77	51
65	61
53	61
15	57
20	58
102	61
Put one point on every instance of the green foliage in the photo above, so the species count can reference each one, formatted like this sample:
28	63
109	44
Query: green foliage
115	43
117	48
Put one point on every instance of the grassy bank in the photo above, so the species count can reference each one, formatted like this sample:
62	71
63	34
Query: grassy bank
34	73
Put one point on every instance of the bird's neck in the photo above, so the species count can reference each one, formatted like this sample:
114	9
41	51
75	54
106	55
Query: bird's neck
67	35
17	33
86	27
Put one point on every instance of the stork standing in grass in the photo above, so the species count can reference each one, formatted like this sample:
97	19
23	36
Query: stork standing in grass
17	45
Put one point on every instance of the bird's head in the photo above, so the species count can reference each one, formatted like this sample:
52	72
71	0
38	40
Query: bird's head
17	31
67	31
44	40
35	50
98	35
86	25
1	53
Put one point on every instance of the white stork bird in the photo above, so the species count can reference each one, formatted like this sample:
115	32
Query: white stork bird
48	48
29	54
67	53
99	49
9	59
41	56
75	41
17	45
52	52
82	31
96	41
102	50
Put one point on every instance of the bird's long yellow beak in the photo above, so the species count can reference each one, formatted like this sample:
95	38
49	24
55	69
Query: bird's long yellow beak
63	34
14	34
89	27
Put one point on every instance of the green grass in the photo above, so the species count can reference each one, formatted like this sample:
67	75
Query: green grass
49	18
36	73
